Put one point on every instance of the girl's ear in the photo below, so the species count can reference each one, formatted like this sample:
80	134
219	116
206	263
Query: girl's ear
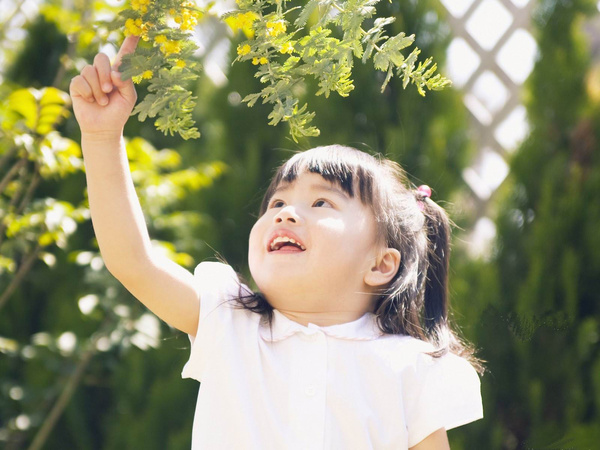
386	266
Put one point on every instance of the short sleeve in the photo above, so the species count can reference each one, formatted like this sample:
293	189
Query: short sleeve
445	394
217	285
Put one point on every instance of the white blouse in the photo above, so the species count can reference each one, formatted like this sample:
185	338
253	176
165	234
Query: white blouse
346	386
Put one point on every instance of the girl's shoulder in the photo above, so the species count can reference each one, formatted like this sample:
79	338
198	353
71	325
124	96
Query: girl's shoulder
415	356
218	277
410	347
437	392
208	269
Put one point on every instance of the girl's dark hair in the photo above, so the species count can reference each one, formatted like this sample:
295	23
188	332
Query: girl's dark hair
415	302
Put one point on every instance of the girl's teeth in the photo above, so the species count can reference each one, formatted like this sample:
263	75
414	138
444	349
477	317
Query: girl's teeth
277	240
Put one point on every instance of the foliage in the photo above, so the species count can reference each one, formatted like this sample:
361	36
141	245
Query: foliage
30	152
286	51
165	60
285	58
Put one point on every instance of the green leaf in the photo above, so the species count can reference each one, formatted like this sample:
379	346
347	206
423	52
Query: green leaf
251	99
308	9
39	111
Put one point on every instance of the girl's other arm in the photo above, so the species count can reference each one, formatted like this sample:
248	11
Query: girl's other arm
437	440
102	103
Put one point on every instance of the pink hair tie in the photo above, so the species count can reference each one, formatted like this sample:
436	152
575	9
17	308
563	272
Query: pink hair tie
425	191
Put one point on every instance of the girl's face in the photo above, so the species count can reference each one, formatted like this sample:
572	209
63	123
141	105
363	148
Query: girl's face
312	248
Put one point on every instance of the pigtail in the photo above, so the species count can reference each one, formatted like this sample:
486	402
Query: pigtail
435	298
436	322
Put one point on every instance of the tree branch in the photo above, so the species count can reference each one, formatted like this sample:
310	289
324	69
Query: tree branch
8	155
67	393
63	400
16	281
12	172
35	180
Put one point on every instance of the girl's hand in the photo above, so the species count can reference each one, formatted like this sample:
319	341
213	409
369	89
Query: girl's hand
102	102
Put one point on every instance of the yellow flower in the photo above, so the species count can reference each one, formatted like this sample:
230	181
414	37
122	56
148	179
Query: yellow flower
243	49
186	15
140	5
256	61
180	63
160	39
188	21
147	74
144	30
170	47
276	28
242	22
286	48
133	27
137	79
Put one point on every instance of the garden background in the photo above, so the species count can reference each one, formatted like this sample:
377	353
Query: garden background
83	365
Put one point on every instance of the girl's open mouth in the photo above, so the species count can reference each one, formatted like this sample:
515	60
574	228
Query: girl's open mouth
285	244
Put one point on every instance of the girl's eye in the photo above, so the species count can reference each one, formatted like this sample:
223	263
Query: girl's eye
322	204
277	204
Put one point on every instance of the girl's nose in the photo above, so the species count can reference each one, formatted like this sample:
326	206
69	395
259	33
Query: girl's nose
287	214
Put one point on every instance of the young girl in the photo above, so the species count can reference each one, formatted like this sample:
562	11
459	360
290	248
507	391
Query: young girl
347	345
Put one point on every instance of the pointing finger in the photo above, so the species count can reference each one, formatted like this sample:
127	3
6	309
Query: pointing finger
128	46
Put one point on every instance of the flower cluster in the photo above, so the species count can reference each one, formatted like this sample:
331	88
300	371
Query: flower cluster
187	17
263	32
262	60
146	75
292	43
242	21
140	5
167	47
164	58
287	44
276	28
288	47
243	49
136	27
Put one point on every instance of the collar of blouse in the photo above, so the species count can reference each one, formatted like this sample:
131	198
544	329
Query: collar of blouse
363	329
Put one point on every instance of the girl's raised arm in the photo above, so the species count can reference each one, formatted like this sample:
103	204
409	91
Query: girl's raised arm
102	103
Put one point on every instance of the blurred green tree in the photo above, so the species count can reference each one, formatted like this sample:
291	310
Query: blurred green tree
537	299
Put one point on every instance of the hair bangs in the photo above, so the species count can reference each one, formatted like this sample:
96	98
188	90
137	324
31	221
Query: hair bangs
353	171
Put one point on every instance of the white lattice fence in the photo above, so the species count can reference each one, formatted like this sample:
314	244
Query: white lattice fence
490	57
